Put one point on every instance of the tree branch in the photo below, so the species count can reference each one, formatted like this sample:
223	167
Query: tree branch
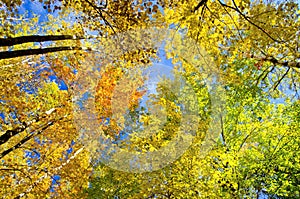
24	140
200	4
245	139
35	38
278	82
49	174
27	138
20	53
99	11
247	19
290	64
10	133
222	131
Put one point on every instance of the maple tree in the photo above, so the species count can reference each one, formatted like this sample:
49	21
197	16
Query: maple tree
253	46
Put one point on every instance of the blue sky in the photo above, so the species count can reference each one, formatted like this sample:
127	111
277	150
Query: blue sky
34	8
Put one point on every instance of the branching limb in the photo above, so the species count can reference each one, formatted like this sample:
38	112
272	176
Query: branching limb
99	11
30	136
248	19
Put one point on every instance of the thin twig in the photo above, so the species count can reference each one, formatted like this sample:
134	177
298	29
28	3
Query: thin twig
278	82
247	19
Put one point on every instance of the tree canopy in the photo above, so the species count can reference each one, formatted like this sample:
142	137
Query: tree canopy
149	99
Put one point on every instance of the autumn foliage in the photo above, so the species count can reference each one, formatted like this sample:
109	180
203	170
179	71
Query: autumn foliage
240	54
